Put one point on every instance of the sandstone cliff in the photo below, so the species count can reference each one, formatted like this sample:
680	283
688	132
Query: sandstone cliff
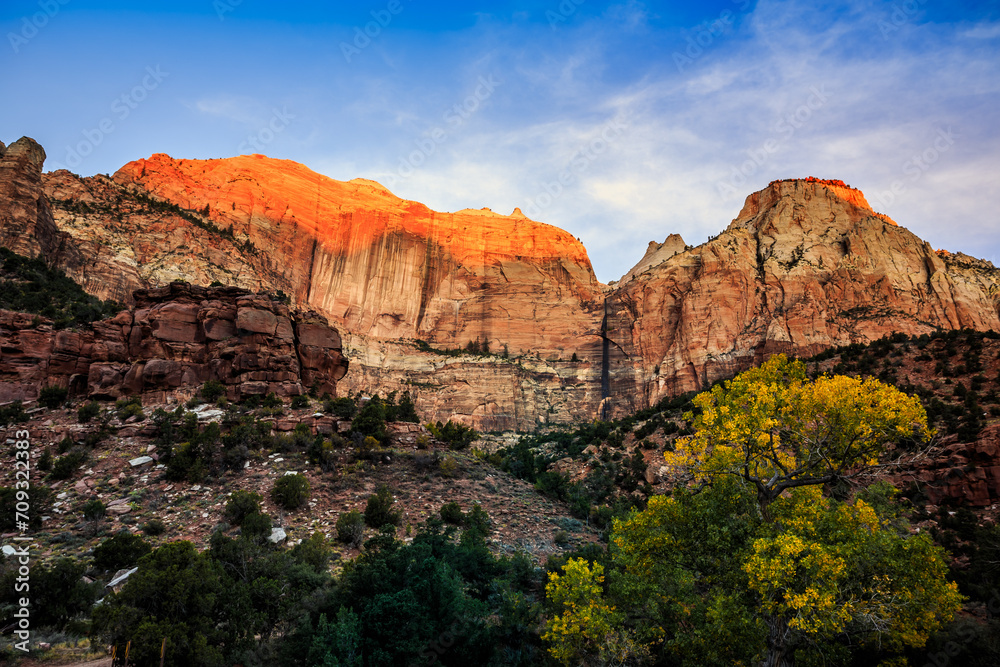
806	265
175	339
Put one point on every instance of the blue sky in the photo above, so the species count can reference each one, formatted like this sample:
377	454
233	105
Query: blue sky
620	122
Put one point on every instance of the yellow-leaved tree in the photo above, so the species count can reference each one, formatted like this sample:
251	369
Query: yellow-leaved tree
757	566
778	430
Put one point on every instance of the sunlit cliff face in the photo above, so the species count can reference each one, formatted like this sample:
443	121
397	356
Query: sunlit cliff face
383	266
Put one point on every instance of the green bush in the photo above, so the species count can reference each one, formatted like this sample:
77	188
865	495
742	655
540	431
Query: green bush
452	513
379	512
256	526
12	414
478	520
240	505
314	552
300	401
39	498
88	412
154	527
213	390
271	401
45	461
129	407
93	510
370	420
121	551
66	465
455	435
351	528
53	397
344	408
291	491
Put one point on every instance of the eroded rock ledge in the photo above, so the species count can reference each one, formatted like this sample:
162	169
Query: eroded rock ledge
175	338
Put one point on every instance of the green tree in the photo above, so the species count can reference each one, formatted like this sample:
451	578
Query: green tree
177	594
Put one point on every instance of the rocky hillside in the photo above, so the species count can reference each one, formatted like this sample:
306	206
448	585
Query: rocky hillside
499	321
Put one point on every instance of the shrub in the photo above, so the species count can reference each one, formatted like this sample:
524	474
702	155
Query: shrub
94	510
291	491
88	412
154	527
65	466
271	401
45	460
300	401
129	407
351	528
12	414
256	526
452	513
370	420
478	520
314	552
379	510
53	397
213	390
455	435
561	538
240	505
121	551
448	467
345	408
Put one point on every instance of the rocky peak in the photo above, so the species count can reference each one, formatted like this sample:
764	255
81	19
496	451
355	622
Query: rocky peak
27	150
656	253
26	223
832	194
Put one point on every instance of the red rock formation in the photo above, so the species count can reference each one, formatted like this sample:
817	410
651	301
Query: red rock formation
26	223
805	266
388	268
177	338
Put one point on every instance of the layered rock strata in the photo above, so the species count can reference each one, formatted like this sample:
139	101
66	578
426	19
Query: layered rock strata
175	339
805	266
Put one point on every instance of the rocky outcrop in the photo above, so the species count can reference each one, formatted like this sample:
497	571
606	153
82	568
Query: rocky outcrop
26	223
805	266
175	339
656	254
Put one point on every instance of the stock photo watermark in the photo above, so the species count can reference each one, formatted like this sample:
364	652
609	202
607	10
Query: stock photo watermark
31	25
784	130
363	36
563	12
454	117
915	167
902	13
22	520
223	7
701	37
265	135
121	108
578	164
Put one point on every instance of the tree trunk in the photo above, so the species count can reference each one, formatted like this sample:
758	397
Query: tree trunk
778	653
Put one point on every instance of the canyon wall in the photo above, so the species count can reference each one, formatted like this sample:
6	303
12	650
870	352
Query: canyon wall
804	266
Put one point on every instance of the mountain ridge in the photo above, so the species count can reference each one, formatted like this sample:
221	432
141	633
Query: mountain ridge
806	265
